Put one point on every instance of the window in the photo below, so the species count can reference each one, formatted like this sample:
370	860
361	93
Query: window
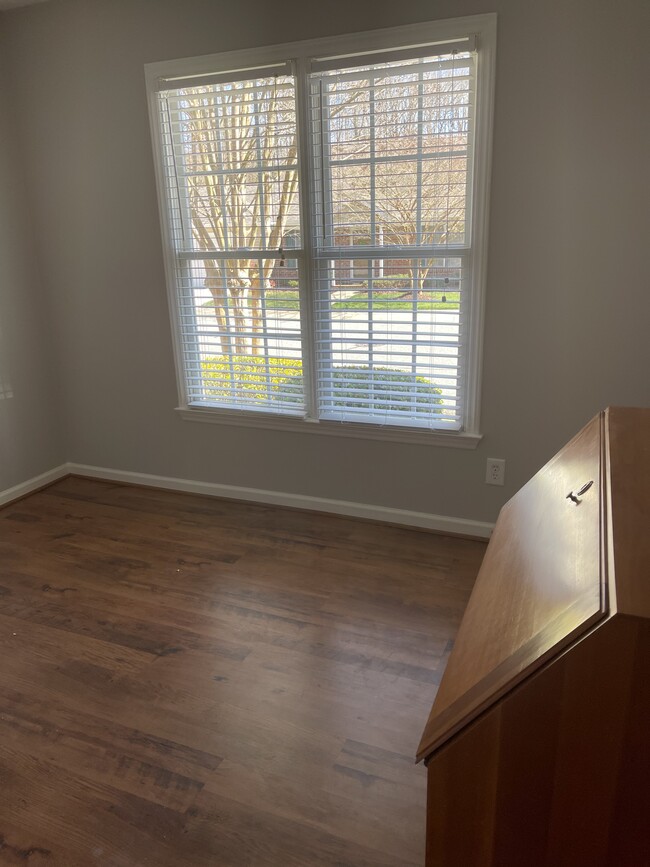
323	207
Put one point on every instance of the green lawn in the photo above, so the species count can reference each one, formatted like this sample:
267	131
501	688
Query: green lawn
258	378
397	301
276	299
282	299
288	299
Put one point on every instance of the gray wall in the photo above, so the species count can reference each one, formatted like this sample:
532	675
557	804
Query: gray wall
30	435
568	297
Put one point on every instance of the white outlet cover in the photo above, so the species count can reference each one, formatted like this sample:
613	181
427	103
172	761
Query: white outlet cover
495	471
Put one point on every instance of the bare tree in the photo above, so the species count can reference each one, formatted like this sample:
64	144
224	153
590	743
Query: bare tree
242	187
405	175
242	183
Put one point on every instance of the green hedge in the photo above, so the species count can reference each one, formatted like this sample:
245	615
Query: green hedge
250	376
356	383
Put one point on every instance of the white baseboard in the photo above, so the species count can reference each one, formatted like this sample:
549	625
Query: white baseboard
439	523
404	517
24	488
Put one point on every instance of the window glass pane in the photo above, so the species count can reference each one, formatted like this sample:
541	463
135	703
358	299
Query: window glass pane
232	157
240	331
389	342
232	181
393	152
351	198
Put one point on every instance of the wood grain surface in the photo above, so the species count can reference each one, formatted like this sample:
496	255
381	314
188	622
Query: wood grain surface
628	439
538	588
188	681
553	768
556	774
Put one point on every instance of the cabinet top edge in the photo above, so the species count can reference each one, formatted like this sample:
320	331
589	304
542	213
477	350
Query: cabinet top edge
627	450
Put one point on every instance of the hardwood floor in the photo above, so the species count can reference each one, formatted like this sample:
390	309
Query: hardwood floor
190	682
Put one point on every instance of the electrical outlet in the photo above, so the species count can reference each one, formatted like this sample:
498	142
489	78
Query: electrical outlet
495	472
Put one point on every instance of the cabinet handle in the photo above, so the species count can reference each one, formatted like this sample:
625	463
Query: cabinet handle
574	496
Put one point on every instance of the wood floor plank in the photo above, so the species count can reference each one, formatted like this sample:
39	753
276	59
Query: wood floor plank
191	681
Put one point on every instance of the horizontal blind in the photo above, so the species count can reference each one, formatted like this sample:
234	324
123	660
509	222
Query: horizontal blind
350	61
393	173
230	159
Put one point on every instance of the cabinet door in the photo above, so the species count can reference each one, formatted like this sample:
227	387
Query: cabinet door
542	584
556	773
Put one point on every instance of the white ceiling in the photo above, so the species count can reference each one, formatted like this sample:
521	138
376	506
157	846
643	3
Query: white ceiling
9	4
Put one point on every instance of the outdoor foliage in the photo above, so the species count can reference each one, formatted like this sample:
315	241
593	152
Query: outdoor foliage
256	378
391	300
256	127
289	299
250	376
387	387
242	181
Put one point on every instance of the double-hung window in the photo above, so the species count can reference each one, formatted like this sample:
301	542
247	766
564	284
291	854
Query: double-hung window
324	215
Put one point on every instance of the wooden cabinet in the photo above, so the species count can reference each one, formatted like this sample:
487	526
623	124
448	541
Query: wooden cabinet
537	744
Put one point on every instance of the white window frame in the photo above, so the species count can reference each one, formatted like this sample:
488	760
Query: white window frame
482	28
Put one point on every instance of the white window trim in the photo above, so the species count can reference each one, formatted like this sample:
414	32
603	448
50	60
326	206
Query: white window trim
483	28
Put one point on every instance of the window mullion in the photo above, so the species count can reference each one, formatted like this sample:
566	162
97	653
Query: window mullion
261	192
323	232
420	123
192	384
418	272
260	176
225	228
391	252
373	153
306	264
327	202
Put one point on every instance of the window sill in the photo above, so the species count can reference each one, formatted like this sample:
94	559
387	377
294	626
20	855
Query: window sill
450	439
